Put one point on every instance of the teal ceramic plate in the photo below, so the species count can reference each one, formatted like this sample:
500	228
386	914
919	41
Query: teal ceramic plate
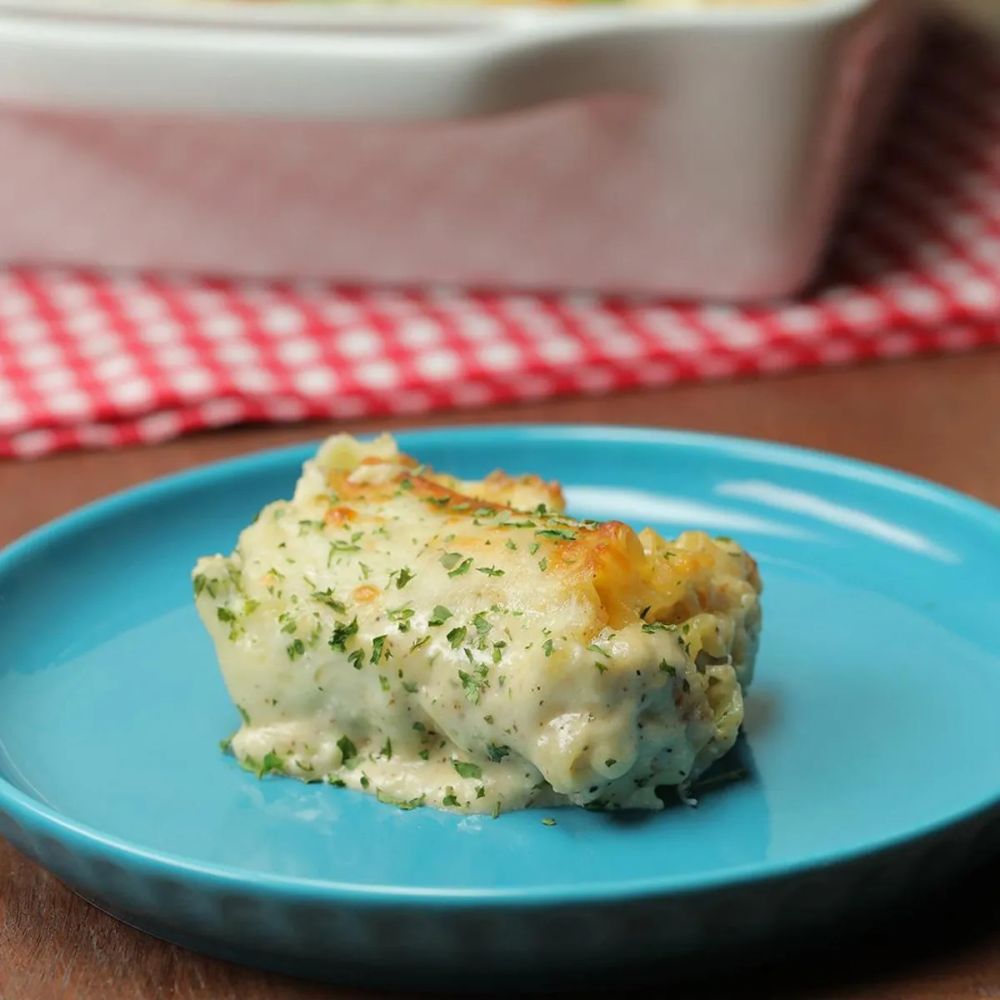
872	746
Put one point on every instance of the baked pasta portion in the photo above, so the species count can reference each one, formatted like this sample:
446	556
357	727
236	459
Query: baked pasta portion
469	646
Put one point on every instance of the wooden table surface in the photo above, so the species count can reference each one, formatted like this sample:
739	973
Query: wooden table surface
939	418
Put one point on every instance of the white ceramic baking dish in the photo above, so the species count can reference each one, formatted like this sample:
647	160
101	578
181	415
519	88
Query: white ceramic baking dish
681	151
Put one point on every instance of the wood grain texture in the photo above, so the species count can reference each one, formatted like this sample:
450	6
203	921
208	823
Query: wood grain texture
938	418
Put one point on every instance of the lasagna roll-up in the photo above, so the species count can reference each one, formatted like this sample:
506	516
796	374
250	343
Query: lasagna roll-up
467	645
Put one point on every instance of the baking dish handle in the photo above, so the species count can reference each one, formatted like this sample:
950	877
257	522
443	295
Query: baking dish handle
377	68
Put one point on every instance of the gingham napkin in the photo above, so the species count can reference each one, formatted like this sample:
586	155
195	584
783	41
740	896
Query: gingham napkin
102	360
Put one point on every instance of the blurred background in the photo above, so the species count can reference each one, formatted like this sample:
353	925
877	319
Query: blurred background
230	213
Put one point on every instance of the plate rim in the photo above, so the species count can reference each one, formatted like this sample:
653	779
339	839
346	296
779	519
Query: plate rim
81	839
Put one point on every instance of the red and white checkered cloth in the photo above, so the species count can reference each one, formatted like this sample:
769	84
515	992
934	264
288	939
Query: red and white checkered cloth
101	360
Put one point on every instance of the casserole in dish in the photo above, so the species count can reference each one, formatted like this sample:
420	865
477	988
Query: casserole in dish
683	151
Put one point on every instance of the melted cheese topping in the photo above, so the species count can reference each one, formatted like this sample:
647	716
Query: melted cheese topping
467	645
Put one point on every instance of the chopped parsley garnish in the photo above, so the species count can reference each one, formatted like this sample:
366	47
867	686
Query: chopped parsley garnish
600	666
340	546
471	685
556	533
378	644
199	584
667	668
490	570
225	615
450	559
295	649
651	627
610	762
450	799
496	753
511	544
422	641
467	769
404	804
341	633
405	576
271	762
387	749
457	636
244	715
439	615
543	563
594	648
383	682
410	687
326	597
461	568
348	750
402	617
482	623
357	658
547	647
533	548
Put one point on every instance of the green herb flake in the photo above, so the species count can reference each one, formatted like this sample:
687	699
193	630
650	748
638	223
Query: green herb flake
386	750
341	633
651	627
424	754
402	617
295	649
467	769
490	570
326	597
271	763
378	644
457	636
563	533
496	753
600	666
244	715
481	623
348	751
667	668
610	762
450	799
383	682
405	576
462	568
543	563
422	641
199	584
472	686
548	821
410	687
451	559
356	658
439	615
511	544
225	615
404	804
